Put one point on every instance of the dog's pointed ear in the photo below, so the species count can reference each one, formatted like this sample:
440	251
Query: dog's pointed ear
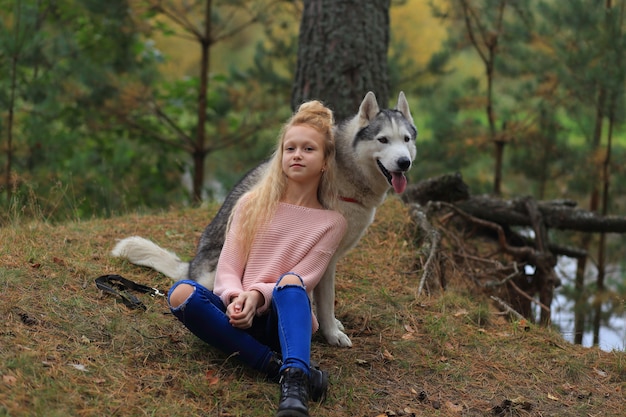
368	109
403	107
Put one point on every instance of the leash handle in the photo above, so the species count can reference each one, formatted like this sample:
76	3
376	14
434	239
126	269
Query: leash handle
119	286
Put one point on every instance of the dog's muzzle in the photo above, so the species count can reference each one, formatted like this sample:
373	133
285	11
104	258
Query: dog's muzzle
396	179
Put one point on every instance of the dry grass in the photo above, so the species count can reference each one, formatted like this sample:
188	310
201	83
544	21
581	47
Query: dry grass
66	349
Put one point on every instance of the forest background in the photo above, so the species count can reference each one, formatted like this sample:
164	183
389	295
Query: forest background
99	103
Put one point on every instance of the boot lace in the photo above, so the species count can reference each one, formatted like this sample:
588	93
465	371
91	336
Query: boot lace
294	383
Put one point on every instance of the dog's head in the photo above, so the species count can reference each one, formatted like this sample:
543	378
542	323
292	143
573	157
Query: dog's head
387	138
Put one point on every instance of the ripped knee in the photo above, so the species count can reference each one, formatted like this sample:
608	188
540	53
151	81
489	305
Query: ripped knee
290	278
180	294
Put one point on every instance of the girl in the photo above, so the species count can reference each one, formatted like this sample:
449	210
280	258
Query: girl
280	239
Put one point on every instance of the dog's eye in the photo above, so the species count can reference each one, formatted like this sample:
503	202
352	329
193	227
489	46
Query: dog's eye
383	139
407	138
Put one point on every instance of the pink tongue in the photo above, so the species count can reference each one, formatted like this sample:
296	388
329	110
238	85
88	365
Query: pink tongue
398	180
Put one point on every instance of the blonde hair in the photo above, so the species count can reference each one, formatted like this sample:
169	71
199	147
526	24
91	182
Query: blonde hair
262	199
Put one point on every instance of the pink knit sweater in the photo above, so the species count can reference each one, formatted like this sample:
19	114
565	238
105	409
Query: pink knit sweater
298	239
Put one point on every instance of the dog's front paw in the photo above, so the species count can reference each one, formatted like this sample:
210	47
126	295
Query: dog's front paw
340	325
337	338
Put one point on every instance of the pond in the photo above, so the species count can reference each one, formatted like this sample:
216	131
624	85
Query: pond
612	334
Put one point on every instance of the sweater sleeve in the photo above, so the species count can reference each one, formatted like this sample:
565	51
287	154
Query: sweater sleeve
230	266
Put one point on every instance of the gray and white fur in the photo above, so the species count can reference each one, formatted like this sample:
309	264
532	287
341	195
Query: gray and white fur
375	149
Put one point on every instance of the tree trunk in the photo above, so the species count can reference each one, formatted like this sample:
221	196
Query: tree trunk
9	166
556	214
580	303
447	187
199	153
342	54
486	45
560	215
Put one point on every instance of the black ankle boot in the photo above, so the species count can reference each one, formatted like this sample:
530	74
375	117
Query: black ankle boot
273	369
318	384
318	379
294	393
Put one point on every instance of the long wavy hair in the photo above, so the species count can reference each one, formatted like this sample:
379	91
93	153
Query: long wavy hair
262	200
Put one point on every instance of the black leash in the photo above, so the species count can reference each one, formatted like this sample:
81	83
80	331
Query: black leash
120	286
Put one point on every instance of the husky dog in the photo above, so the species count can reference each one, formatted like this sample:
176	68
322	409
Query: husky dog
375	149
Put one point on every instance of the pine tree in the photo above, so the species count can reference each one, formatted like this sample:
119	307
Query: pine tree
342	54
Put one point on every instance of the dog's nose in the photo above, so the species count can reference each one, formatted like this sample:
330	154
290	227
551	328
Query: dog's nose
404	163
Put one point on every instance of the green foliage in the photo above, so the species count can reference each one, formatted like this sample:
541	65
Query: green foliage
550	60
68	59
88	92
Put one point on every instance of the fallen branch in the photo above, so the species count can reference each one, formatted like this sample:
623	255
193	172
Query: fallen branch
529	298
493	284
555	214
524	253
507	307
433	237
448	187
562	215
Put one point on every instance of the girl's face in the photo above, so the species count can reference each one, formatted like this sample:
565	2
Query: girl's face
303	154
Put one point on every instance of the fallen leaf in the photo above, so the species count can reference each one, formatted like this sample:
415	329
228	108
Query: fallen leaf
387	355
211	377
455	408
552	397
461	312
568	387
9	379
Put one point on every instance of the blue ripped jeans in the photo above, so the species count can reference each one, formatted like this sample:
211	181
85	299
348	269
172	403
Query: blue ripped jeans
286	328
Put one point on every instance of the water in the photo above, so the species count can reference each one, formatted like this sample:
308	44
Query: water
612	335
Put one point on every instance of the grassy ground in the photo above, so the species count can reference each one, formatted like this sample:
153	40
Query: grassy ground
67	349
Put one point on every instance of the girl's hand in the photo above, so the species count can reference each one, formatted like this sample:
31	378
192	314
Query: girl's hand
242	309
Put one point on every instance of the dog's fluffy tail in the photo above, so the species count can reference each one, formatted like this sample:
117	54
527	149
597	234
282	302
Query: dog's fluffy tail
140	251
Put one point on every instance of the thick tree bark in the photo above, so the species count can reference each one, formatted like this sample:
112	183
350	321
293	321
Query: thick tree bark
342	54
448	188
556	214
561	215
